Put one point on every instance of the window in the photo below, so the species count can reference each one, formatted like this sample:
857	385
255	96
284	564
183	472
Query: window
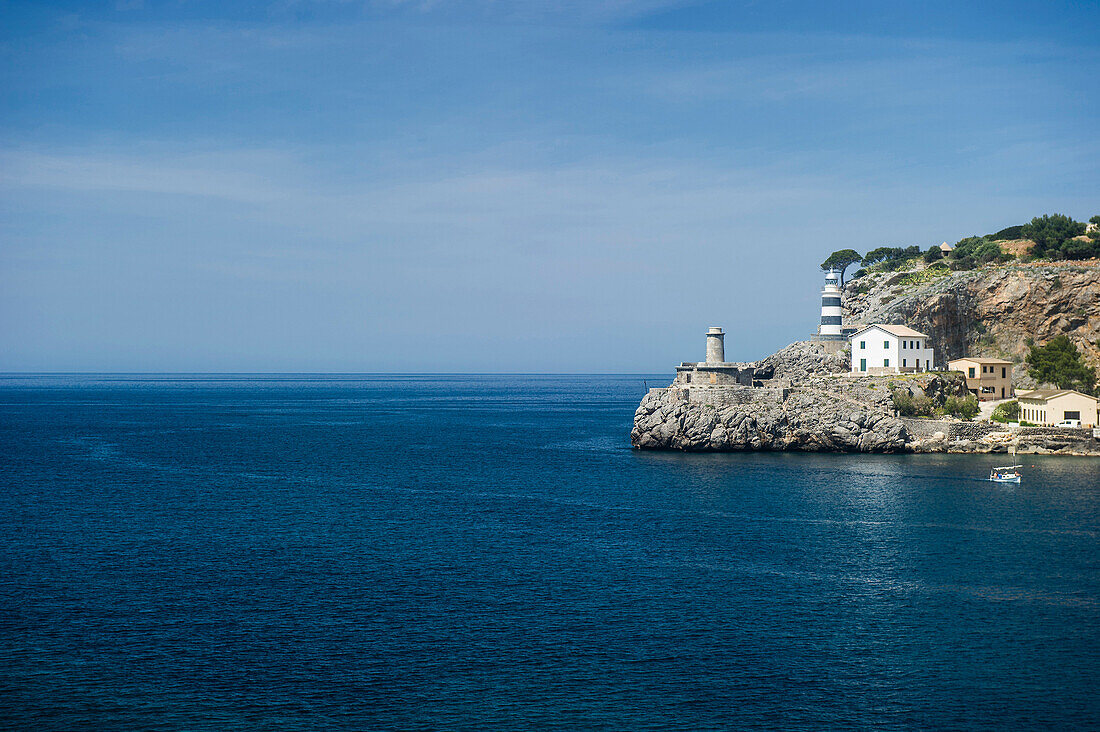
903	362
918	363
886	345
687	378
1003	372
1002	392
970	372
862	364
918	344
903	345
1071	415
885	363
862	345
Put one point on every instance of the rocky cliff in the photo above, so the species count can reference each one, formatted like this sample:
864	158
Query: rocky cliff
990	311
806	405
667	420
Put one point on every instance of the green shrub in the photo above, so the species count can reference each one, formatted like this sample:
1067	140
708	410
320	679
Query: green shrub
925	275
1006	412
910	406
966	407
1051	233
981	249
1012	232
1077	249
933	254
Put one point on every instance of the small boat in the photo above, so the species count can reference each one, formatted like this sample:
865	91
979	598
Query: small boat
1006	473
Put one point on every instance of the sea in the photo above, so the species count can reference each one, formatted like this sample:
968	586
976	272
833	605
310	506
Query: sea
487	552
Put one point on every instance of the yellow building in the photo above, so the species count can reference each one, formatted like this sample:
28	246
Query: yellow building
986	378
1051	406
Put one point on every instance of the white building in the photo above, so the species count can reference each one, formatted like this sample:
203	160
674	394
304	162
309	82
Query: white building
890	349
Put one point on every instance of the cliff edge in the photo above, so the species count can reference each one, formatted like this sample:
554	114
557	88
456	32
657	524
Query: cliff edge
991	311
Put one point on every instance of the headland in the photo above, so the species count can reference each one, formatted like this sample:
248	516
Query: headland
909	357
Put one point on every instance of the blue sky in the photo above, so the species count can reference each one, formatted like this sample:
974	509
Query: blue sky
496	185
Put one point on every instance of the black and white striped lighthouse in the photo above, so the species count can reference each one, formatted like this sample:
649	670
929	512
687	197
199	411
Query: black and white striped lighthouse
830	307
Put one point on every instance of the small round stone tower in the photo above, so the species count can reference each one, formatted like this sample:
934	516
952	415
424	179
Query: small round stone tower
830	306
716	349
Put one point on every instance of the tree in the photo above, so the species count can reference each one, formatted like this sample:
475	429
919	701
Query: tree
965	408
1077	249
933	254
1012	232
974	250
881	254
841	260
1050	233
1006	412
1059	363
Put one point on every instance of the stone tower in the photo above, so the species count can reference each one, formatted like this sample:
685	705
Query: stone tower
716	349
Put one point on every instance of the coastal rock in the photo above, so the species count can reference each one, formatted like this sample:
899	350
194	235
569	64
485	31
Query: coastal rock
665	419
799	360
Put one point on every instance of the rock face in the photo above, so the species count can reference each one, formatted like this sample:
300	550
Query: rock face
800	360
806	420
990	311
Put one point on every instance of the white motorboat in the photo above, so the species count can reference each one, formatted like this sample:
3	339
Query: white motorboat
1006	473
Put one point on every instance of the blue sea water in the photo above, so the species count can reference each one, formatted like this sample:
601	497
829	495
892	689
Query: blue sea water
487	552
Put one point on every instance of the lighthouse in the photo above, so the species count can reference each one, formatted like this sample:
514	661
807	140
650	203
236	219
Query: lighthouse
830	307
716	348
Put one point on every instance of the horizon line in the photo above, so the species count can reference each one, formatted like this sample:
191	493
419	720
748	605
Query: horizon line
4	374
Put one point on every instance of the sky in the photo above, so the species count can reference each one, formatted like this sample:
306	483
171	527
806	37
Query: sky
504	185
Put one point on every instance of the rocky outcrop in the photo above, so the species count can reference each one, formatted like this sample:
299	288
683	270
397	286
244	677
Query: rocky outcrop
800	360
990	311
807	407
806	420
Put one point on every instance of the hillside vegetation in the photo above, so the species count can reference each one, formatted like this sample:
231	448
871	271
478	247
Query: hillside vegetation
1052	237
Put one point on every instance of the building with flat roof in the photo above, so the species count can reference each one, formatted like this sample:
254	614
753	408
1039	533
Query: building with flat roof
986	378
715	371
890	349
1051	406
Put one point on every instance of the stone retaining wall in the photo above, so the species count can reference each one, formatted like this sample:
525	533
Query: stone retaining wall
735	395
1076	433
973	430
923	429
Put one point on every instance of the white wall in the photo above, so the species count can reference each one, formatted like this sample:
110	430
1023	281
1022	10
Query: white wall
881	346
